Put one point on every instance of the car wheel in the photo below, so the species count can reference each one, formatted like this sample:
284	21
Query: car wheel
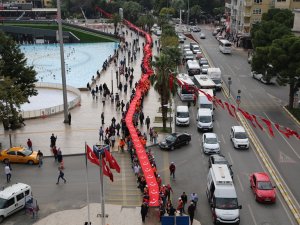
1	219
30	162
6	161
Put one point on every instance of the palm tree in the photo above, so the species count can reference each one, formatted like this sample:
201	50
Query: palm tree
163	82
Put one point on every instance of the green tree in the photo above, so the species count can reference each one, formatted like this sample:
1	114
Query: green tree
17	77
116	19
161	82
284	55
195	12
282	16
131	10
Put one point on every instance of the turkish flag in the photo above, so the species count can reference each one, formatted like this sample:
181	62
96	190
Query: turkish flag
112	161
106	171
91	156
269	125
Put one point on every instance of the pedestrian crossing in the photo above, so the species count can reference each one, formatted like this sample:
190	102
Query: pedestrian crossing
123	191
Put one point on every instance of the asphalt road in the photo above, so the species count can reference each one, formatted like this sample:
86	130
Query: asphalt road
262	100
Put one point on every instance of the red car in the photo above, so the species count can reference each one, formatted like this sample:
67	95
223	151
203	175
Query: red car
262	188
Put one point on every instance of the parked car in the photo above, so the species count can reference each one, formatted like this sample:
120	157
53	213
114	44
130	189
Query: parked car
19	155
261	78
219	159
210	143
262	187
203	61
239	137
175	140
204	68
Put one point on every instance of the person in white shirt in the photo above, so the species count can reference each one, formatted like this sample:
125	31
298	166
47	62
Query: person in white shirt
7	172
194	198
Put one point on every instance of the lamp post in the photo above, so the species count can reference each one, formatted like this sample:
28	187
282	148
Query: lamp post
229	84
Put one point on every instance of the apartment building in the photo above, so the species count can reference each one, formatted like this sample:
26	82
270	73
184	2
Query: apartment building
244	13
287	4
37	3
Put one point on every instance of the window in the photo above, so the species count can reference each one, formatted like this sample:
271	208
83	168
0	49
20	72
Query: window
258	1
281	0
27	192
11	153
10	202
20	196
257	11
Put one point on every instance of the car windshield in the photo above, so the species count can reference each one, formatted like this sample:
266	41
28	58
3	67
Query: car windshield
217	81
205	119
226	203
206	106
240	135
27	152
264	185
211	140
221	162
2	203
170	138
182	114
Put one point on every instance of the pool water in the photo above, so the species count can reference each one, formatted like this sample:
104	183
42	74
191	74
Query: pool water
81	61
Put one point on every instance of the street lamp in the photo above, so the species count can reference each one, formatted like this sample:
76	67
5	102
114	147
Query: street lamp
229	83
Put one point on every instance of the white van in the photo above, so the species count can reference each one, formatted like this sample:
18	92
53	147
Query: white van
204	120
182	116
216	76
13	198
204	102
222	196
188	55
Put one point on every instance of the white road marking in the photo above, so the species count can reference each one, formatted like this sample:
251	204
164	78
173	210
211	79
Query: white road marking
252	214
223	139
238	178
217	123
230	158
298	156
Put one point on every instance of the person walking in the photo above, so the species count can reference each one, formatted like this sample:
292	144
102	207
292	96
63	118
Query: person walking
101	132
148	122
69	118
40	158
144	211
172	169
112	140
29	144
154	136
180	206
191	212
52	140
184	200
142	118
118	127
194	198
59	156
54	150
122	144
103	100
102	118
113	121
7	170
171	211
60	175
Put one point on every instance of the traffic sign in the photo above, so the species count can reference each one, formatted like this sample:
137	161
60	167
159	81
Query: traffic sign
238	98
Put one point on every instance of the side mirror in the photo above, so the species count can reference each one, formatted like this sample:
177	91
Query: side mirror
240	207
229	166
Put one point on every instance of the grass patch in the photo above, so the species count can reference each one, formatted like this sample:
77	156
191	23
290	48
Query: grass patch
162	130
295	112
158	119
85	37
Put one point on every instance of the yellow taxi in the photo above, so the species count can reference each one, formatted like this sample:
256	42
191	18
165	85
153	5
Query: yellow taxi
19	155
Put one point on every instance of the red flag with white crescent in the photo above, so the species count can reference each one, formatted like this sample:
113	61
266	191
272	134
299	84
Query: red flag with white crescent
91	156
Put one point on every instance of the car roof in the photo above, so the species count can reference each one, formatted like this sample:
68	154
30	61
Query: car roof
210	135
178	134
10	190
261	176
238	129
18	148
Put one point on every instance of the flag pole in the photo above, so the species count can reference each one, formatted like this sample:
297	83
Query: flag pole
87	187
102	189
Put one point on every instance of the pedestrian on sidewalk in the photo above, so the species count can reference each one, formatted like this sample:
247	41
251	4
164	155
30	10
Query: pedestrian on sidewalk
121	144
144	211
148	122
191	211
103	100
142	117
102	118
7	171
180	206
112	140
155	136
113	121
184	200
125	87
194	199
29	144
172	169
122	106
59	156
69	118
40	157
118	127
60	175
101	132
52	140
54	151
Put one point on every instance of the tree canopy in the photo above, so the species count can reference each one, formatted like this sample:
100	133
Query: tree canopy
17	79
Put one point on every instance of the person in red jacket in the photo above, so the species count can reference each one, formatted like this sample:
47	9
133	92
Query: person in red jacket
29	144
180	206
172	169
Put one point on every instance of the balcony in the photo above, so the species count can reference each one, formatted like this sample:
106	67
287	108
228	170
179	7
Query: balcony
227	5
247	14
247	3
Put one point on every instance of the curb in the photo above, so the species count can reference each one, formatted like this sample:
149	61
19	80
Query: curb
291	115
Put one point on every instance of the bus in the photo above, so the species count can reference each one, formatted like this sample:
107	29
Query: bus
204	82
225	46
186	87
193	67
